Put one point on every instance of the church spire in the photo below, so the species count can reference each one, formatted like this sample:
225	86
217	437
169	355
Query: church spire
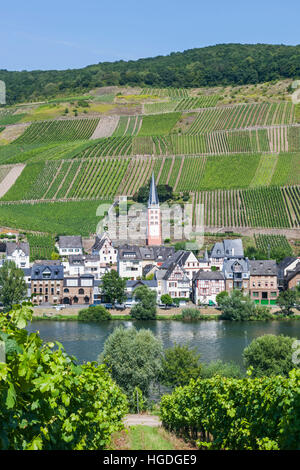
153	197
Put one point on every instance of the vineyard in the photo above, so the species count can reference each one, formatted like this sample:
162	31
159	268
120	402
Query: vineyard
267	243
58	131
183	104
250	413
271	207
242	116
64	218
41	246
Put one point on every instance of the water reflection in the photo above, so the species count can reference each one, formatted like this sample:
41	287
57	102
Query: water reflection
213	339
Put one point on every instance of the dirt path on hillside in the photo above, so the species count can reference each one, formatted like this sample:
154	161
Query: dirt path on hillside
10	179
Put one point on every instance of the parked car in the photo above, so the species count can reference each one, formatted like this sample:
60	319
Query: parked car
108	306
120	306
60	307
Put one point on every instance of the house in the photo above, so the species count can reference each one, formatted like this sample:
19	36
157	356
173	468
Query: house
103	247
287	265
70	245
292	279
135	261
173	281
131	286
19	253
207	285
187	260
263	281
237	274
227	249
130	262
47	282
78	290
77	265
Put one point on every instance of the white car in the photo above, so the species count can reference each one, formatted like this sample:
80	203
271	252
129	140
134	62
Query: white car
60	307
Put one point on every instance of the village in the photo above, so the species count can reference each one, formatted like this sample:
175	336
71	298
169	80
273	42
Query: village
75	278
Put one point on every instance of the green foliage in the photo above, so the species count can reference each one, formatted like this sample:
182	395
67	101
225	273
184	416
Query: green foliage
239	307
134	359
113	287
286	301
232	414
159	124
269	355
166	299
12	285
223	369
49	402
96	313
190	313
180	364
164	192
145	309
222	64
221	296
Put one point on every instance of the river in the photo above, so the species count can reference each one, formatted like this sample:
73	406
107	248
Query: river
214	340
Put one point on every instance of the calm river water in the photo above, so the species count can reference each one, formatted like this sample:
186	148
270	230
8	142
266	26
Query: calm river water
213	339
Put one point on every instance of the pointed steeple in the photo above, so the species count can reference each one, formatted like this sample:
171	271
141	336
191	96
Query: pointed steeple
153	197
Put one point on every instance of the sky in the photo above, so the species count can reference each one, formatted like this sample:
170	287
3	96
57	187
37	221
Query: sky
62	34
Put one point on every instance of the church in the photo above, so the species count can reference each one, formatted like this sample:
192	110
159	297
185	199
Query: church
154	236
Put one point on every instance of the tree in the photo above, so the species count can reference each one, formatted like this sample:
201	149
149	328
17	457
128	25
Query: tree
179	365
145	309
166	299
134	359
286	301
96	313
12	285
113	287
221	296
236	306
270	355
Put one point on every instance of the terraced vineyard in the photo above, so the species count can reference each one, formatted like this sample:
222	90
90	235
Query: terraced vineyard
267	243
242	116
240	161
128	125
41	246
58	131
183	104
259	208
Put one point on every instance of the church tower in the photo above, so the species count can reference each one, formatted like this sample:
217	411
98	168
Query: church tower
154	217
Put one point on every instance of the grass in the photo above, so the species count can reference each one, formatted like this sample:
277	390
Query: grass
63	218
147	438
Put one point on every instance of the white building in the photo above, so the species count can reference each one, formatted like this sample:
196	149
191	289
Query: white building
19	253
70	245
207	285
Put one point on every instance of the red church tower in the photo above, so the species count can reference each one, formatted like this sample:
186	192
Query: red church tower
154	217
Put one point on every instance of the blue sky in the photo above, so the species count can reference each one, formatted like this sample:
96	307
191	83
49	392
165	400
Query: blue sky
71	34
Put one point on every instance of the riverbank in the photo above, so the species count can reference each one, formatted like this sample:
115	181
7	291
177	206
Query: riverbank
209	313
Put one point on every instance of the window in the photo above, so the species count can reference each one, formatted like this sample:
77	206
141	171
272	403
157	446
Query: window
81	291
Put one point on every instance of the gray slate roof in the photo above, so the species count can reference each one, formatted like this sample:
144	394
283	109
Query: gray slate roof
228	249
209	276
228	266
12	246
149	283
263	268
56	272
72	241
151	253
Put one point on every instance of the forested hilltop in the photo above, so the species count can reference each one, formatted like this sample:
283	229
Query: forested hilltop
223	64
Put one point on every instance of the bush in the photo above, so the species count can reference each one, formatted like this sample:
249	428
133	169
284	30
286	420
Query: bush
270	355
145	309
47	400
96	313
224	369
190	313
